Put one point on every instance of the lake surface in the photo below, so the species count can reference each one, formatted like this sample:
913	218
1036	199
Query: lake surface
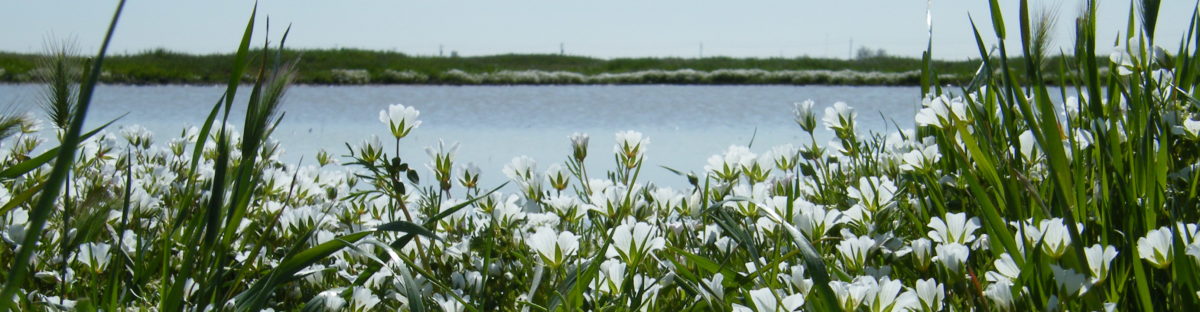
685	124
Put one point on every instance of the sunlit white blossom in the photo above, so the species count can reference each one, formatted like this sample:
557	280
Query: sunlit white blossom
631	241
956	229
1055	237
765	300
931	294
94	255
952	256
1099	259
839	116
554	248
400	119
1156	247
854	250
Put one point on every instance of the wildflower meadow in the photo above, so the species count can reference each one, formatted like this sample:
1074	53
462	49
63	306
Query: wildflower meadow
1003	194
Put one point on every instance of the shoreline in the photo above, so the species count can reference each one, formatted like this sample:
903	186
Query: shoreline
349	67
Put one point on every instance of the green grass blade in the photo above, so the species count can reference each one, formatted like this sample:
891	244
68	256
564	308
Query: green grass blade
31	164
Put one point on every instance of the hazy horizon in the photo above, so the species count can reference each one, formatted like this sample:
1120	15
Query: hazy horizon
614	29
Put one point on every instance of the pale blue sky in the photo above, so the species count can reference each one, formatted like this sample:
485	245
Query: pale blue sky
609	28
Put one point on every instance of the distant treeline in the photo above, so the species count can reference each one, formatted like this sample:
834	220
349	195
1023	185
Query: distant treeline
348	66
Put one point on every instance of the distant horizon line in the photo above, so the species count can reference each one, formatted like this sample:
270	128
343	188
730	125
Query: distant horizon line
514	53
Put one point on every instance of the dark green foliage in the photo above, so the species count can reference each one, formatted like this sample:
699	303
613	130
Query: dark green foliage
161	66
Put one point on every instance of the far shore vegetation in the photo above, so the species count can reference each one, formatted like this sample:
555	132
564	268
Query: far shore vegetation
353	66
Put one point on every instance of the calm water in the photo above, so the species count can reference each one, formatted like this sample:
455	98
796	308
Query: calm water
685	124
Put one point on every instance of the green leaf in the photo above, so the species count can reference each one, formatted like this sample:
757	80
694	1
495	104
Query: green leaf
413	177
997	19
20	198
408	227
254	298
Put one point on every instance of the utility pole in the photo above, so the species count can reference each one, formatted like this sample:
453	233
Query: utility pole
441	48
562	48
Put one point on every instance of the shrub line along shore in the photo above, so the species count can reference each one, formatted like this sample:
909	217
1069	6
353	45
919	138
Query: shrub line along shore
352	67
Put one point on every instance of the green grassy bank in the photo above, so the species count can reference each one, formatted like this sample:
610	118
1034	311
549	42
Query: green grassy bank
349	66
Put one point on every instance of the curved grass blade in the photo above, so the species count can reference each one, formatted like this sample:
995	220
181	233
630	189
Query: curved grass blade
45	157
256	296
408	227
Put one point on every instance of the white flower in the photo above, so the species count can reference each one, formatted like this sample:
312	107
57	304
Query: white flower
94	255
1028	145
1006	270
400	119
940	111
362	299
839	116
1123	63
920	158
632	241
470	175
579	145
1070	282
726	167
1188	231
955	229
666	199
1193	251
566	206
922	251
137	136
6	196
442	156
449	303
557	176
712	288
1072	107
521	169
851	295
605	199
931	294
554	248
797	278
631	146
60	303
129	241
509	211
612	276
874	193
1001	295
785	156
854	251
888	297
1099	258
1055	237
764	301
469	280
1155	247
814	220
952	256
332	299
1191	128
803	112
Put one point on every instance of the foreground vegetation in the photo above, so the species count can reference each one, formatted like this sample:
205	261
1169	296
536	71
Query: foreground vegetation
347	66
998	200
